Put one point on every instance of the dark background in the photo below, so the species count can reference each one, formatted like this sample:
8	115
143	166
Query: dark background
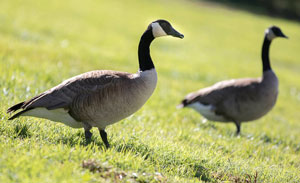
289	9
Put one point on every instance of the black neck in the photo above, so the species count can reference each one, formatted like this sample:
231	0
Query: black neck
265	55
145	60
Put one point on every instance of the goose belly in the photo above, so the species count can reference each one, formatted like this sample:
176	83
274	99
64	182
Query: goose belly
115	108
253	111
207	111
57	115
116	111
252	107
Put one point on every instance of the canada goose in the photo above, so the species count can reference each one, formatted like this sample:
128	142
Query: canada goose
102	97
239	100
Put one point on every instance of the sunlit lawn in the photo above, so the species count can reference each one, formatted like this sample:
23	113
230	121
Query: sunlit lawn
44	42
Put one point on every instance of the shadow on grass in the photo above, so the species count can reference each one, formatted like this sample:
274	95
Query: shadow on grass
78	138
186	166
288	9
168	159
165	160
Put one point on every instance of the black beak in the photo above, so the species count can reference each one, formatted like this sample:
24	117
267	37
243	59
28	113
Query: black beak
282	35
175	33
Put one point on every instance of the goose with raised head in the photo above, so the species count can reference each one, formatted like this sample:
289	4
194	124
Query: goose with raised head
102	97
239	100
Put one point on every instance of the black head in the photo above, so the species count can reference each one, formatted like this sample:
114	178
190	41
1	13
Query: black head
273	32
164	28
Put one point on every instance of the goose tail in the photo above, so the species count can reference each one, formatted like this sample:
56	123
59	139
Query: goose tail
182	104
15	107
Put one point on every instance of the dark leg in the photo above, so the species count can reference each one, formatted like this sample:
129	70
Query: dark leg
103	135
88	136
238	128
87	133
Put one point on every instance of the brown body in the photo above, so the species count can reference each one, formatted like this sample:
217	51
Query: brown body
96	98
237	100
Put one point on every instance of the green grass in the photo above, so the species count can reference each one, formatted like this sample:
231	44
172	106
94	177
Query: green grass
45	42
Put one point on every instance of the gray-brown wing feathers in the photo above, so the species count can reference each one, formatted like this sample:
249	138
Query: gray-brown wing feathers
82	85
221	91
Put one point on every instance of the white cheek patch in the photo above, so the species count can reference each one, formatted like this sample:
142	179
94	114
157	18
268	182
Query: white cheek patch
270	34
157	30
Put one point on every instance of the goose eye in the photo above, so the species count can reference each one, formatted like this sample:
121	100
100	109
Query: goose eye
166	27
